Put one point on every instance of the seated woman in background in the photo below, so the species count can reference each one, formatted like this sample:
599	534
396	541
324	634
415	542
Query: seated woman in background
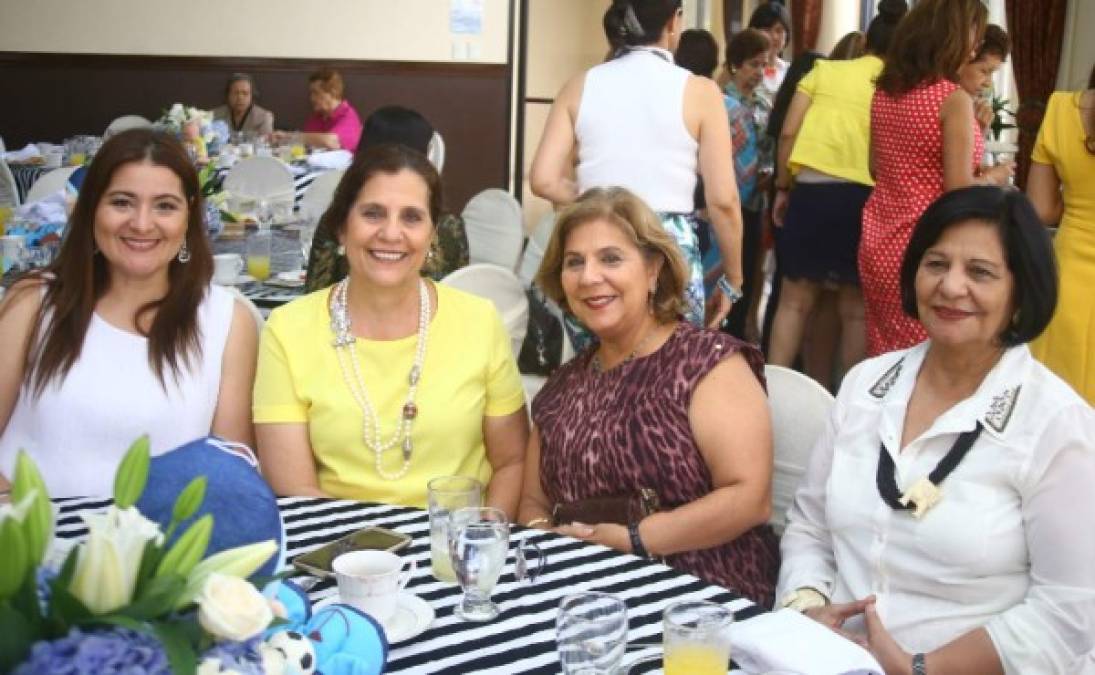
240	111
946	510
657	405
334	124
448	248
371	388
123	334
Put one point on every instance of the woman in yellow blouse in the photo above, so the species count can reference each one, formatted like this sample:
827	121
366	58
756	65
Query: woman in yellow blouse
368	389
1064	156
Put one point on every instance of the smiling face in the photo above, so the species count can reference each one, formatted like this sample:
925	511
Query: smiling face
964	289
388	229
239	96
976	76
606	278
141	220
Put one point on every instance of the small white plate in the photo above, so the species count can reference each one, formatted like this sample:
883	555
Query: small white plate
238	281
412	616
293	276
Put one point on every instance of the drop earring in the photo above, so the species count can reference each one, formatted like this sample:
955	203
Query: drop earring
341	250
184	254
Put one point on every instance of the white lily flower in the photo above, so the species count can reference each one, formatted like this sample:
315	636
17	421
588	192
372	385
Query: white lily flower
108	562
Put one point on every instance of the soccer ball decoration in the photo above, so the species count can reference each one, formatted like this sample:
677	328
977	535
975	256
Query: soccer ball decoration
300	656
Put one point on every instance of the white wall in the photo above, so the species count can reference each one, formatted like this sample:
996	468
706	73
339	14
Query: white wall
396	30
1078	50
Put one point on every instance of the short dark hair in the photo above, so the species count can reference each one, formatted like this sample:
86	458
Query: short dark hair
1027	250
995	43
698	52
881	29
632	23
769	14
396	124
329	81
389	158
745	45
240	77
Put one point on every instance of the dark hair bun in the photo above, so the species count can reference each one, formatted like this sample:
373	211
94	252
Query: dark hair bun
891	11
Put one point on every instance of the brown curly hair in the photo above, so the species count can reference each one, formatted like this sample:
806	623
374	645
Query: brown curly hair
931	43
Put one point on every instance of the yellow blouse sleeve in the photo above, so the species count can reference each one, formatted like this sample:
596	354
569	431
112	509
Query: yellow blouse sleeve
275	396
1045	147
505	392
808	84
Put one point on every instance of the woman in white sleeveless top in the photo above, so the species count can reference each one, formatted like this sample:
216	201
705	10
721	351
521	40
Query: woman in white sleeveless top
640	122
123	335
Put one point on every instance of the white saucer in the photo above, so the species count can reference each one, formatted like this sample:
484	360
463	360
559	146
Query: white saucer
412	616
292	276
238	281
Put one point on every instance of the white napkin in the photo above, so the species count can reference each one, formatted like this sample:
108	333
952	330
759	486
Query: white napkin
330	159
28	153
788	640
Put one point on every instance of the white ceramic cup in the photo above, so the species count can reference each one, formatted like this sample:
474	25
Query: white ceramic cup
226	267
372	580
12	252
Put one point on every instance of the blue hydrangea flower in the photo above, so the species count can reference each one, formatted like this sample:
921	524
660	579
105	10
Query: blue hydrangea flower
212	217
241	657
112	651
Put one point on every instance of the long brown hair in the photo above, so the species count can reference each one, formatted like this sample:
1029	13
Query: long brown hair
931	43
80	275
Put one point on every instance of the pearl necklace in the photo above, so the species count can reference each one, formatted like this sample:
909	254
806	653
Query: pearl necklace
345	342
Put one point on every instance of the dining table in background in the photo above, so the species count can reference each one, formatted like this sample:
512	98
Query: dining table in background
522	638
25	175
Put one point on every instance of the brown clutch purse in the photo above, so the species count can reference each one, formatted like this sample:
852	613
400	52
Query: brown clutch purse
622	510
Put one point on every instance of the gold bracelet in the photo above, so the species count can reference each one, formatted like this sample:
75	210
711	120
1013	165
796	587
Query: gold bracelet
535	522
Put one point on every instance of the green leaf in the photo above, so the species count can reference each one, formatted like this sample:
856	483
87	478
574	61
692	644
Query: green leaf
189	500
65	609
150	559
132	474
180	653
188	550
68	567
158	599
16	637
14	562
38	523
25	600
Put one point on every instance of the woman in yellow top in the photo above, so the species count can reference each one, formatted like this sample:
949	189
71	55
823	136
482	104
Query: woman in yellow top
368	389
824	144
1064	156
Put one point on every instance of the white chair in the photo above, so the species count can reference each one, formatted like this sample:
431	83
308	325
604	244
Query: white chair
800	410
319	193
503	288
256	313
260	178
492	220
124	123
435	152
49	184
534	249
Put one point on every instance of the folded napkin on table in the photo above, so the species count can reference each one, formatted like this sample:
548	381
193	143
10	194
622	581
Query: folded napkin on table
330	159
28	153
788	640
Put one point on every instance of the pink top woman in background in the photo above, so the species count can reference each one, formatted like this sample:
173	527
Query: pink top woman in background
334	123
924	142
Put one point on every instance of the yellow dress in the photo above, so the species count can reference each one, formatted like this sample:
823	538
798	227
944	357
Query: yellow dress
1068	345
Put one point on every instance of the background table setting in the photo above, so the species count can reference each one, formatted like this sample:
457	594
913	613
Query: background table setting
522	639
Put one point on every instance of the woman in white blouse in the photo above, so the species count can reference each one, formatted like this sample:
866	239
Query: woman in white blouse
946	518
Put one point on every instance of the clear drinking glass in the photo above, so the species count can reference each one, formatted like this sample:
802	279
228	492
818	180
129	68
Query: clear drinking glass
445	495
478	543
591	631
258	253
696	638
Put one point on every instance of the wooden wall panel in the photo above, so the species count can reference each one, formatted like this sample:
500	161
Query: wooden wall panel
52	96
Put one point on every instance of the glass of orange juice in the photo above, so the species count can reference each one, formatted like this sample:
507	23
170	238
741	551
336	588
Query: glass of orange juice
696	638
258	254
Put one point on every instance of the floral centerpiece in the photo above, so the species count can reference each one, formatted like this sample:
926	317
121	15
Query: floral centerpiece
131	597
196	128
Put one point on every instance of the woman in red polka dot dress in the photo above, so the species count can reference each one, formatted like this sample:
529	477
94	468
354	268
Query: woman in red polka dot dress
924	141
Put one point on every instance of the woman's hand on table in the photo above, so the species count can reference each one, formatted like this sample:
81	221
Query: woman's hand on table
893	659
606	534
833	616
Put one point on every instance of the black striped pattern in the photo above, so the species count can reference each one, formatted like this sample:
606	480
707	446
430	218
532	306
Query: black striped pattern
522	638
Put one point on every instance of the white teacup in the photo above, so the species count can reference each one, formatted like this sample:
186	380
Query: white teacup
372	580
226	267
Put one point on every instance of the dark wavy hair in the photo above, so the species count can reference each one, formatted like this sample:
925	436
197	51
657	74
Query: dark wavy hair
931	43
698	52
396	124
1027	250
388	158
80	275
881	29
745	45
996	42
651	16
769	14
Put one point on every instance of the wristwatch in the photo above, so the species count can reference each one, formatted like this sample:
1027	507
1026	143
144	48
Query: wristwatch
918	665
727	288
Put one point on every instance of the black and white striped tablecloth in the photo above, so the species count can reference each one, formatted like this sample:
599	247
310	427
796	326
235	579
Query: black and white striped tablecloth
522	638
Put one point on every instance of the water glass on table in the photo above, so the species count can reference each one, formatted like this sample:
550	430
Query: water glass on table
696	638
445	495
591	631
478	544
258	253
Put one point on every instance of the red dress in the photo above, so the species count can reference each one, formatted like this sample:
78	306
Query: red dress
907	142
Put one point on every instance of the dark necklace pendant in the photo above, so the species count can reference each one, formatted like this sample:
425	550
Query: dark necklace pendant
407	448
410	411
